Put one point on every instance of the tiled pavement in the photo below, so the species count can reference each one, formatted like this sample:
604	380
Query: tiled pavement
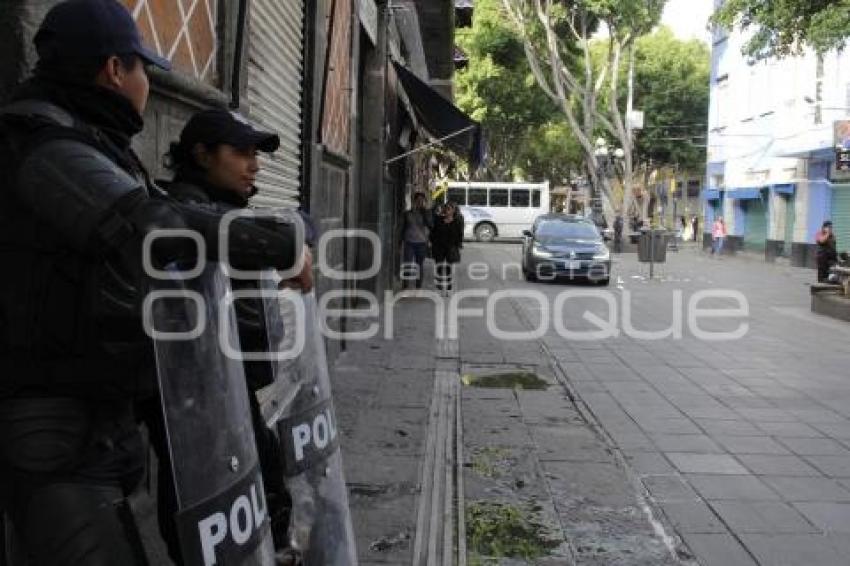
743	444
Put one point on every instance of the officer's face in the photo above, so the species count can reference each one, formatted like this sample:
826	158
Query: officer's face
232	168
129	81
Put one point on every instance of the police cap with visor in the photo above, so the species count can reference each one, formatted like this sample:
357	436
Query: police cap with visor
221	126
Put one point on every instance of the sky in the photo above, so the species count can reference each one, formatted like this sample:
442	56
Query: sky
688	18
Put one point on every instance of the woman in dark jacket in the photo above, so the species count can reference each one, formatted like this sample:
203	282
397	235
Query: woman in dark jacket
827	252
446	242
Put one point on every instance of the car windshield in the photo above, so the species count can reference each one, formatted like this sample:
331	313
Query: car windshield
555	230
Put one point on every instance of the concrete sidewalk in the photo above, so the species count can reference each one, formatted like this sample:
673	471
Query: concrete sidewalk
526	473
382	391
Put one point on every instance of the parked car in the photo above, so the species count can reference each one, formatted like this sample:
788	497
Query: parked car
563	245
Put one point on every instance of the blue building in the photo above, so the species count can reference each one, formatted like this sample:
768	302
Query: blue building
771	168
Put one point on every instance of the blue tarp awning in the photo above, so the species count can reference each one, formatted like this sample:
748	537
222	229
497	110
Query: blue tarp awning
711	194
744	193
784	188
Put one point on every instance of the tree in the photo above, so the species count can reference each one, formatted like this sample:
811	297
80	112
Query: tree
785	27
550	152
526	134
672	88
557	37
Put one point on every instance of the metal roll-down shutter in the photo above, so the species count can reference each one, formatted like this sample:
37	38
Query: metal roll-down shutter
755	225
841	216
275	90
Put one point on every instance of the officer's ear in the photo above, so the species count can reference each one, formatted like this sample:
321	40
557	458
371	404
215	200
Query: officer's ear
201	156
112	73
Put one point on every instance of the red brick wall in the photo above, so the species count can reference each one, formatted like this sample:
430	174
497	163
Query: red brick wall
337	107
183	31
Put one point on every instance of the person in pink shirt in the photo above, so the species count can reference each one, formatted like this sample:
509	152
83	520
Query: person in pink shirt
718	235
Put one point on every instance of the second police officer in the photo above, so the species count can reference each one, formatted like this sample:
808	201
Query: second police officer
215	165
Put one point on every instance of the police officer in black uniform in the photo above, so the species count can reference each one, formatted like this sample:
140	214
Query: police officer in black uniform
215	164
76	206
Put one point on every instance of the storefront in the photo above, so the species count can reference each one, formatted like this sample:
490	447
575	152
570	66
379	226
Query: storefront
754	209
781	220
841	215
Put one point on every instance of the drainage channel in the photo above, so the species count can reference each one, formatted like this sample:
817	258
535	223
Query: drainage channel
440	526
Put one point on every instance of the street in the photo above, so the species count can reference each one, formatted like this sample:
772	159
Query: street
635	450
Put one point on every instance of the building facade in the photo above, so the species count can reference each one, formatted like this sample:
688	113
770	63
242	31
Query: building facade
322	74
771	170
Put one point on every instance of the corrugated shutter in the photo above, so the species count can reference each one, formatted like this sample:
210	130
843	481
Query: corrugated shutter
790	219
755	225
841	216
275	79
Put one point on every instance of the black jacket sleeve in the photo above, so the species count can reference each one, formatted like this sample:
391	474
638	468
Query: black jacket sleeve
98	208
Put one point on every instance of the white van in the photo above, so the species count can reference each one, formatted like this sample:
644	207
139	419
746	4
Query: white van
492	210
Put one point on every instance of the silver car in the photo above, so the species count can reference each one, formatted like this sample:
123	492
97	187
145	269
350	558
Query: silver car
565	246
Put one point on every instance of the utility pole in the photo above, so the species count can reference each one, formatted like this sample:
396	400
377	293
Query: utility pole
631	150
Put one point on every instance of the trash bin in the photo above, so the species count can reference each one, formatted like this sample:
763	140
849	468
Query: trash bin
658	252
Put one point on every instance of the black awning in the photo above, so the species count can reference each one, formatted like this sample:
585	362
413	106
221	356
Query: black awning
443	120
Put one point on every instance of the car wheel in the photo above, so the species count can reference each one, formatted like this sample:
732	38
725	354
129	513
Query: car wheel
485	232
603	282
529	276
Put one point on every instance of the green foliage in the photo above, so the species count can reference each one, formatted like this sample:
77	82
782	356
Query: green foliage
499	530
498	90
785	27
527	133
672	88
634	17
550	152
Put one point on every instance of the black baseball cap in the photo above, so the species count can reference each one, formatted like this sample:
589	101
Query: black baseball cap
92	28
219	125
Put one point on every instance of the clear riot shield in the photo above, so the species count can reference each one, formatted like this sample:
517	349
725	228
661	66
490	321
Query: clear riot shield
223	516
320	529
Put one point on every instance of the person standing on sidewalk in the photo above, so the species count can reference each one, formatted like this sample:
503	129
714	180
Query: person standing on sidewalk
618	233
446	242
827	254
416	231
695	227
687	228
718	235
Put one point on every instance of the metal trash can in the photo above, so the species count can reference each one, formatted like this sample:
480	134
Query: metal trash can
652	246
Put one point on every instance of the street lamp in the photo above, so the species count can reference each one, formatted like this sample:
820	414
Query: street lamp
605	159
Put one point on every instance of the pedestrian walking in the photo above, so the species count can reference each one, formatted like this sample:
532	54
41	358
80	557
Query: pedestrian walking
78	207
695	227
827	253
687	228
446	243
718	235
618	233
417	223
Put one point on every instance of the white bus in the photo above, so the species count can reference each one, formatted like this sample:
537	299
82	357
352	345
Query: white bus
492	210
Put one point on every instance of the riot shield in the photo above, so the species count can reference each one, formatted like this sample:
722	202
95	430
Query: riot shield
222	513
320	529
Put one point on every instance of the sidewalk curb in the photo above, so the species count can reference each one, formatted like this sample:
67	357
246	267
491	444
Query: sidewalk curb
660	524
